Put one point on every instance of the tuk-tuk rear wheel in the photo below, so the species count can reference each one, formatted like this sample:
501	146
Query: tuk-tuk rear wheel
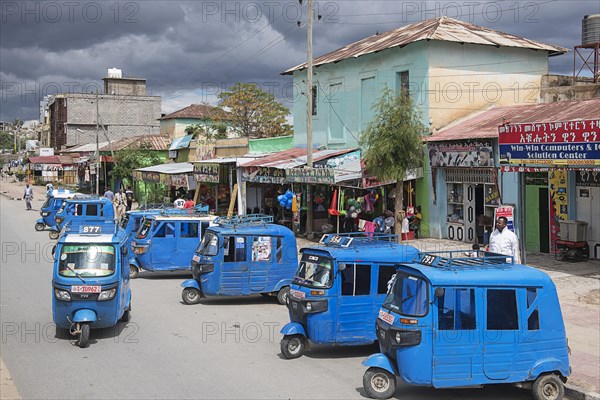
83	340
133	271
39	226
54	235
548	387
292	346
191	296
379	383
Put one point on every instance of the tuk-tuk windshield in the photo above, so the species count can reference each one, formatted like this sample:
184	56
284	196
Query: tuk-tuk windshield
86	260
142	233
407	295
209	246
315	271
47	202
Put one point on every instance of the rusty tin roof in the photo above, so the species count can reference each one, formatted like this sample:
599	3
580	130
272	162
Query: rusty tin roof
443	29
484	124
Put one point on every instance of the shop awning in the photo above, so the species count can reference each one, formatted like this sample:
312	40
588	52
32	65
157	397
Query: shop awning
173	174
181	143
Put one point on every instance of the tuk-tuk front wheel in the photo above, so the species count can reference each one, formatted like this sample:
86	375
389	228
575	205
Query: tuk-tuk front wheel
54	235
39	226
133	271
292	346
83	339
191	296
282	295
548	387
126	314
379	383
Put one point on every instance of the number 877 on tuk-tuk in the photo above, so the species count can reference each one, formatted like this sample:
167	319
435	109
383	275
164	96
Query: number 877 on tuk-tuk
454	321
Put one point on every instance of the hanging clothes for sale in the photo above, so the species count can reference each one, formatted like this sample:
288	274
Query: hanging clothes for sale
333	205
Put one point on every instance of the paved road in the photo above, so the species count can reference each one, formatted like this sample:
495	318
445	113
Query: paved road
223	348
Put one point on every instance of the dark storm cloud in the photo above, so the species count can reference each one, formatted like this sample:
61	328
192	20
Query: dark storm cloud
184	49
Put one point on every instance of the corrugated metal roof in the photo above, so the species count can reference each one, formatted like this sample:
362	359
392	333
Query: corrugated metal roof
172	168
292	158
154	142
197	111
51	160
483	125
443	29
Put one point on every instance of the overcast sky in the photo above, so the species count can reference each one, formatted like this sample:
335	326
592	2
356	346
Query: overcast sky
188	51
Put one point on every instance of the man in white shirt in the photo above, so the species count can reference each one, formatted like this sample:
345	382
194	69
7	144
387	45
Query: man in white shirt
504	241
179	203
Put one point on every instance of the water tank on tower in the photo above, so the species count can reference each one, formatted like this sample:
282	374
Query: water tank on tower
589	49
114	73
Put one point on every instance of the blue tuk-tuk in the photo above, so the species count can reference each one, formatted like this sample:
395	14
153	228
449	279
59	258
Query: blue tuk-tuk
53	202
455	321
80	210
166	241
338	290
90	281
243	255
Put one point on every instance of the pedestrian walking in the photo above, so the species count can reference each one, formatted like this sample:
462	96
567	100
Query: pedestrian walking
119	202
129	198
28	196
504	241
109	194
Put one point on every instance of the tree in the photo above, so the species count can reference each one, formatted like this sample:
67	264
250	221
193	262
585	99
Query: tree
129	159
392	143
255	113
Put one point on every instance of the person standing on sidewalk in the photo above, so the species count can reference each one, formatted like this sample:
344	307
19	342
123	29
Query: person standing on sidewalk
129	197
119	202
28	196
504	241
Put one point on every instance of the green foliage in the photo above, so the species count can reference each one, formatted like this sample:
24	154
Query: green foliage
207	133
129	159
6	141
255	113
392	143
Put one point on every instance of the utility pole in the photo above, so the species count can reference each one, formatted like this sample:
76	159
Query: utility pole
97	147
309	127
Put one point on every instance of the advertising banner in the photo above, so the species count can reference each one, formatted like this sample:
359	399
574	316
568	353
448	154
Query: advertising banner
206	172
263	175
310	175
508	212
551	143
558	204
461	154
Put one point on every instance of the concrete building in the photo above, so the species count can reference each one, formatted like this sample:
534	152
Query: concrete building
122	111
451	69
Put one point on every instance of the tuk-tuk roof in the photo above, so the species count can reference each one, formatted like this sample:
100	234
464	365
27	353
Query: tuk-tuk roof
63	194
253	229
376	251
89	200
489	269
188	217
78	238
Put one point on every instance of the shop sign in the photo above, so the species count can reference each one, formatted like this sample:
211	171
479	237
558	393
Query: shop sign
310	175
588	178
150	177
206	172
177	180
551	143
345	166
263	175
461	154
370	181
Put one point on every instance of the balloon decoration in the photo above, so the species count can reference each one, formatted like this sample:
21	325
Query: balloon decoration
286	200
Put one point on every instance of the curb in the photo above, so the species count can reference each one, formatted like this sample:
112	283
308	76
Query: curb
576	393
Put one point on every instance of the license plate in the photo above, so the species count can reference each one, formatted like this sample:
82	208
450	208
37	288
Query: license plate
297	294
86	289
386	317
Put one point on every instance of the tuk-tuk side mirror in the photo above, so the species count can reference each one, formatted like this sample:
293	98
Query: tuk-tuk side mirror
124	250
341	267
439	292
53	250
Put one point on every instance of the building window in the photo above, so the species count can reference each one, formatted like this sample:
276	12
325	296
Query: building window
314	100
402	81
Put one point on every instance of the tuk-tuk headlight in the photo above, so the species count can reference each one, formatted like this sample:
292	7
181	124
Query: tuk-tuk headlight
205	268
45	213
398	337
107	294
62	295
140	249
308	306
59	219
